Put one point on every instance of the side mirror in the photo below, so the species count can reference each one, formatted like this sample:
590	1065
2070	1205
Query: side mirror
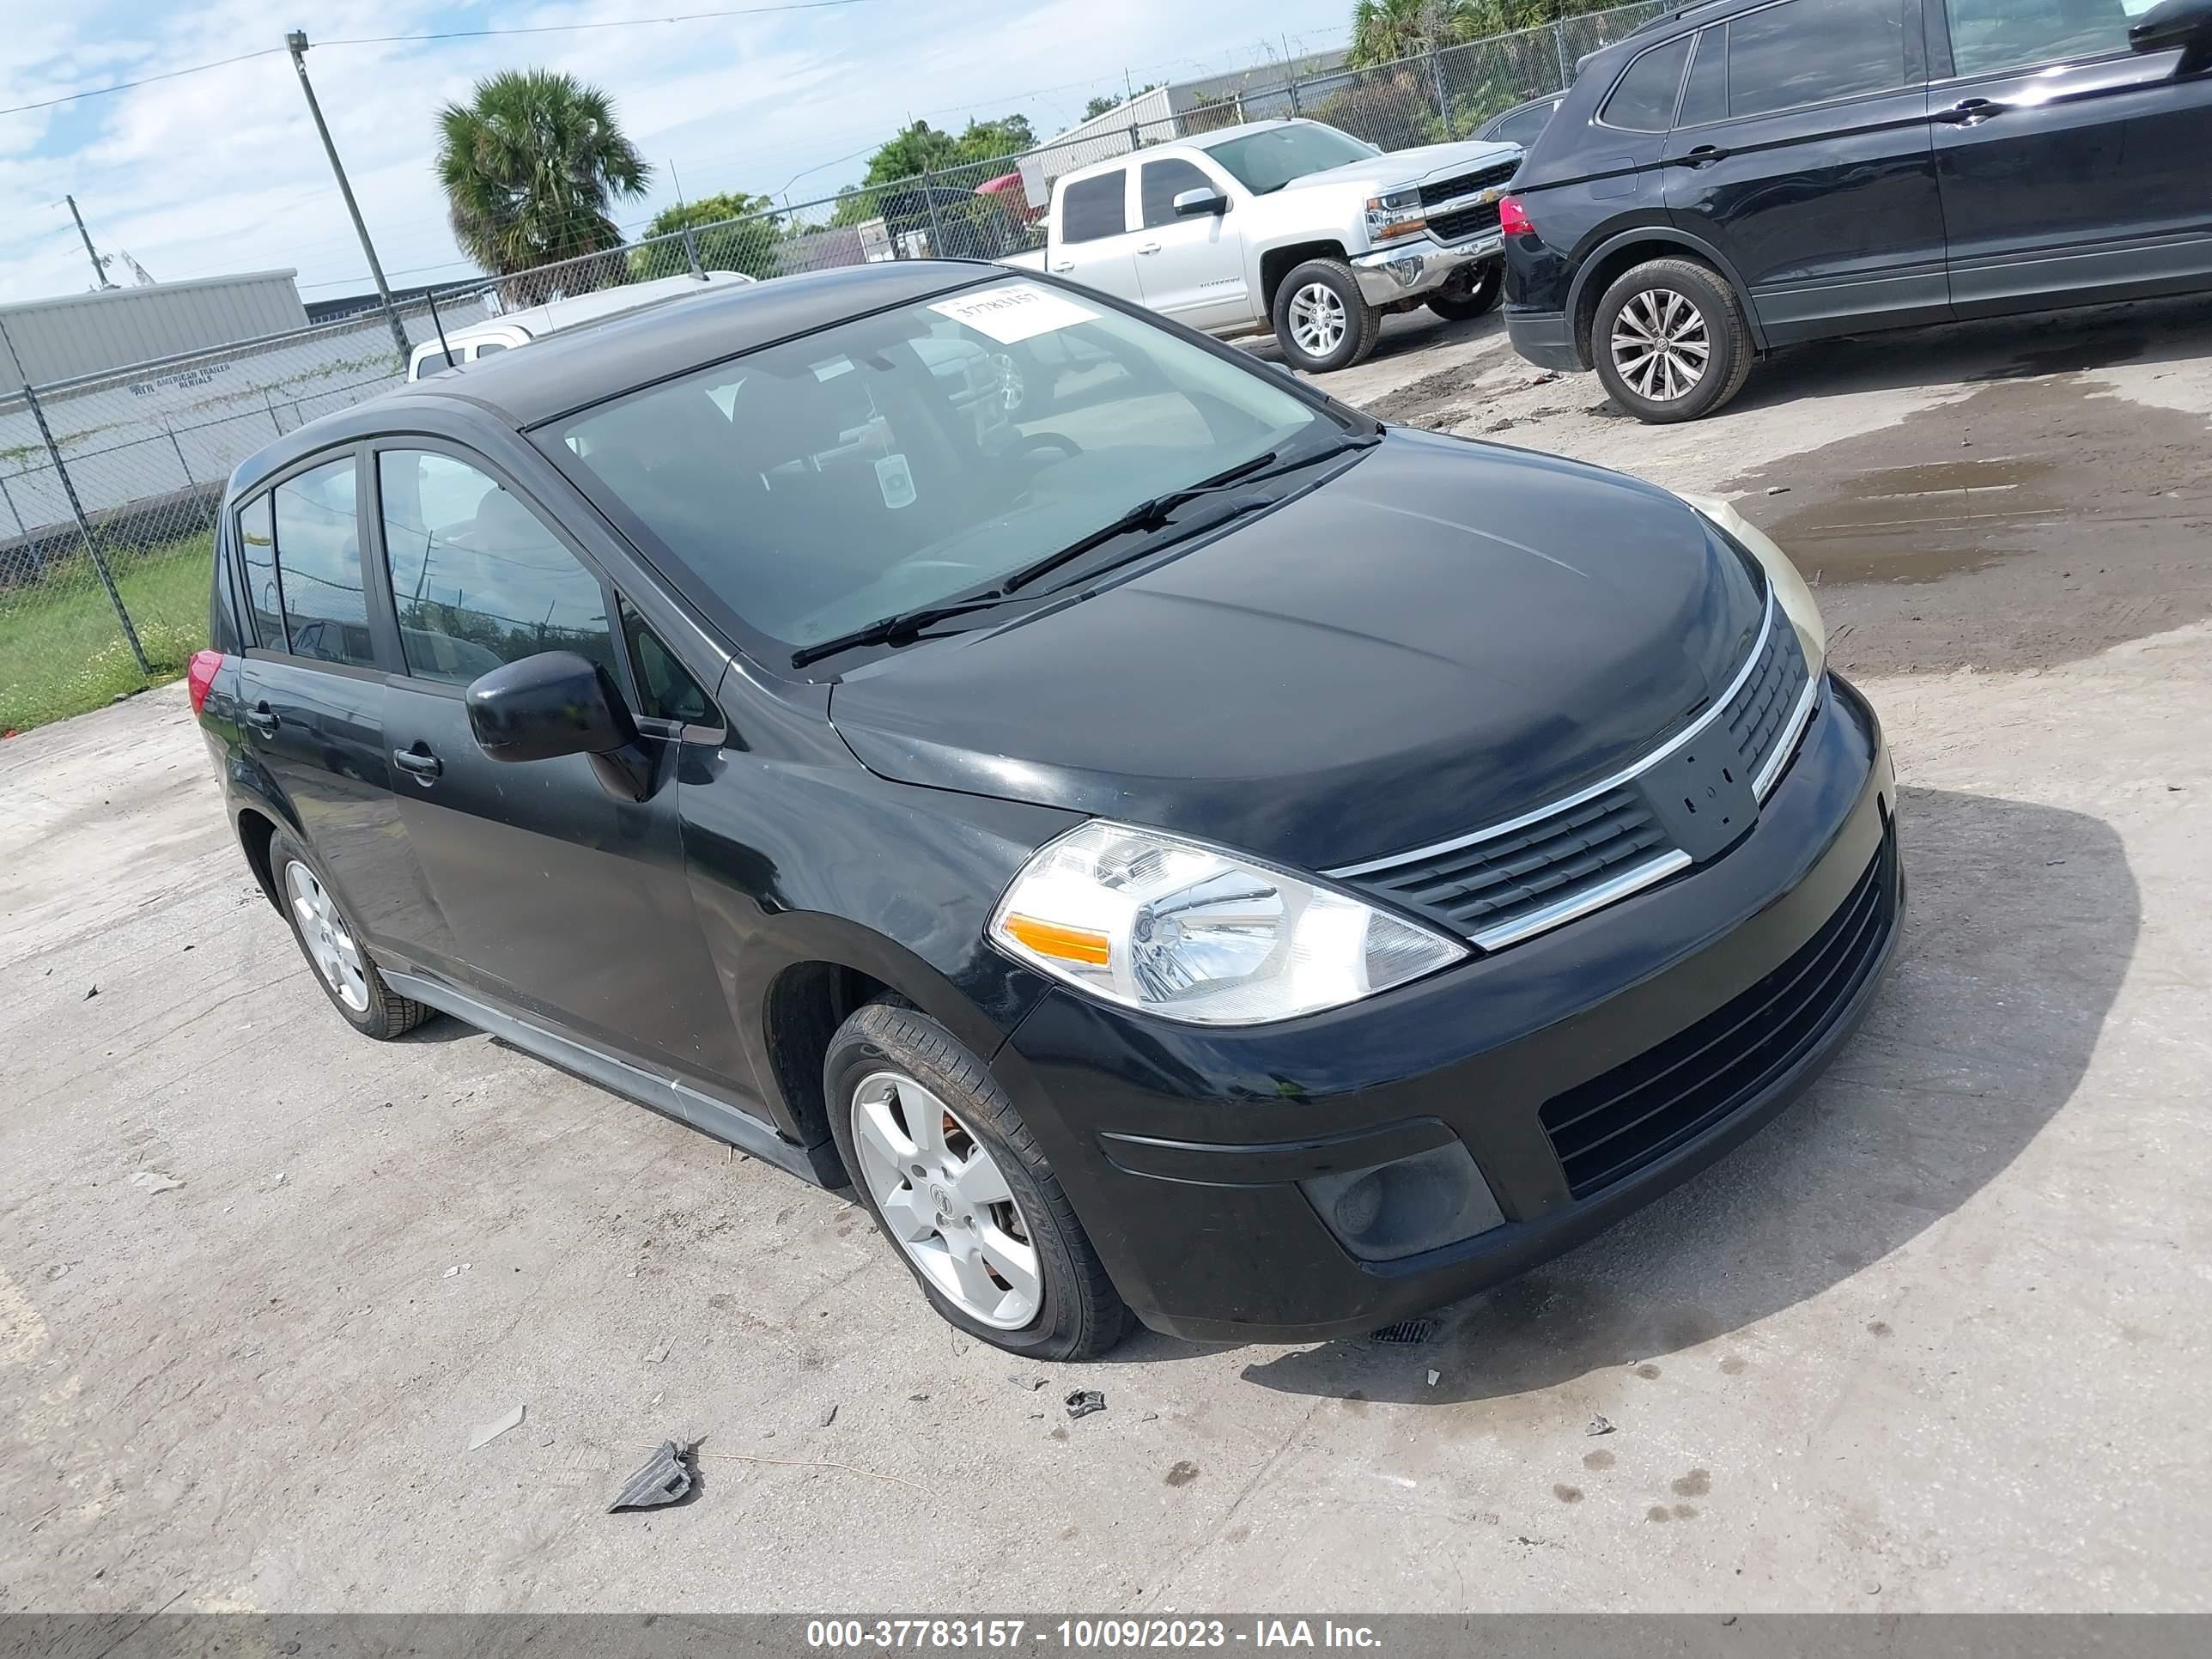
2182	25
1190	203
557	703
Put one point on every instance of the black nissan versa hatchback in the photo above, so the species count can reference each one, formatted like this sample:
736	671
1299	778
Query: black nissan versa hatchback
1746	174
1187	850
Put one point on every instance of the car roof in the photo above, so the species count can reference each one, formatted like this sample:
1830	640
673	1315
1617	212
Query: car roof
575	367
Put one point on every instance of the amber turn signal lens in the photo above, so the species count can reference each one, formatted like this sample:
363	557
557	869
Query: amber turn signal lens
1049	938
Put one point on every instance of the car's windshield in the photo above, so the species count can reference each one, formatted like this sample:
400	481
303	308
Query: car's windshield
1266	161
890	463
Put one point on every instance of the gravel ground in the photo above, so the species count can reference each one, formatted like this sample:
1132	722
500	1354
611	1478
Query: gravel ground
1932	1342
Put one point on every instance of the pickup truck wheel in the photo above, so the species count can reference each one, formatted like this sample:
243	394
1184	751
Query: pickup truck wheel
940	1156
1670	341
1322	321
1457	305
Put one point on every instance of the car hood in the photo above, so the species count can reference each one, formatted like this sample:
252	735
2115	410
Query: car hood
1442	636
1409	167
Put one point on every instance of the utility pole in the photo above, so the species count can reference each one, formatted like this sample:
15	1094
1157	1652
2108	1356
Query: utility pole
296	43
99	266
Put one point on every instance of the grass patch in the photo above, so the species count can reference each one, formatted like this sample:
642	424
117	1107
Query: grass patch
62	652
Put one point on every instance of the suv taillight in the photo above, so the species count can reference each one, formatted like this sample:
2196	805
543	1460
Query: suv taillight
1513	217
201	675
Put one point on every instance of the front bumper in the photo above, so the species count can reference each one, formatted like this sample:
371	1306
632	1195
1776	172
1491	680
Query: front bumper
1545	339
1183	1149
1418	265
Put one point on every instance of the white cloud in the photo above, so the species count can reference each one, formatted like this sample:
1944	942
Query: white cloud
222	171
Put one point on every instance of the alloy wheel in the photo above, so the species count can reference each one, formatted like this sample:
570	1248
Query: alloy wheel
1318	322
1660	345
329	945
946	1200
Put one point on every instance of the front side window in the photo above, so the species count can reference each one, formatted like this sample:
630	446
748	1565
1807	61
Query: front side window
1264	161
477	580
1645	99
318	566
1161	182
1808	52
666	688
817	486
1990	35
1091	209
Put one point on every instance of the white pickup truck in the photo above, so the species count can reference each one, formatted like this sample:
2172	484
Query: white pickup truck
1291	226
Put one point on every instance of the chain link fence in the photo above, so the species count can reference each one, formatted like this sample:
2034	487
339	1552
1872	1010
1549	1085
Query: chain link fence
110	484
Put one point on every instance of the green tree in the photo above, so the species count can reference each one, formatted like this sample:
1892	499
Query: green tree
1107	100
748	245
1383	31
530	165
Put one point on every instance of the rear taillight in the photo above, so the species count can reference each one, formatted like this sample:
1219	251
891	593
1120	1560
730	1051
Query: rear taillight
1513	218
201	676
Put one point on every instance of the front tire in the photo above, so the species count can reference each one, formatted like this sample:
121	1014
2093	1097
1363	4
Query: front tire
1670	341
941	1159
1482	296
331	943
1322	321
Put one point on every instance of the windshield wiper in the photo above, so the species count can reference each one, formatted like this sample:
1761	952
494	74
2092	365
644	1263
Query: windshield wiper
1155	515
899	628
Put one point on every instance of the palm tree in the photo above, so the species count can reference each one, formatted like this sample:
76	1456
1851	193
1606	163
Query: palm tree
1383	31
530	165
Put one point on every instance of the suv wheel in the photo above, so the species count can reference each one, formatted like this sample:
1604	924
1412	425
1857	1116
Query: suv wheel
328	939
947	1167
1670	341
1322	321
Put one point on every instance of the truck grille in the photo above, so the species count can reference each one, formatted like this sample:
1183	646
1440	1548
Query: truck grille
1639	1111
1469	221
1450	190
1500	886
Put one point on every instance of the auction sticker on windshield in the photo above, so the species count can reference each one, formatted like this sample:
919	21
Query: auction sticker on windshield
1015	312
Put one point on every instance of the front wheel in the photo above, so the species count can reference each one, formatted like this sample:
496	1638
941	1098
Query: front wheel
1322	321
941	1159
1670	341
1457	305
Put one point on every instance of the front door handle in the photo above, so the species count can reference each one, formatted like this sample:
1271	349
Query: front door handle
1970	112
1150	247
1704	155
424	767
263	719
1065	265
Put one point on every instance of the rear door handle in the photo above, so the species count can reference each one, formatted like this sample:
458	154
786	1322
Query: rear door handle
1970	112
1064	264
1704	155
263	719
423	766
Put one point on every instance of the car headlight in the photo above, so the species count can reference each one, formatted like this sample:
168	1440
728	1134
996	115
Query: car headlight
1395	213
1791	591
1191	932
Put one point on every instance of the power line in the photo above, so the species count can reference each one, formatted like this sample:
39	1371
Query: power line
143	80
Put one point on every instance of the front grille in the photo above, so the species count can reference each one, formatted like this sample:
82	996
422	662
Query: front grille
1450	227
1763	702
1450	190
1494	883
1642	1109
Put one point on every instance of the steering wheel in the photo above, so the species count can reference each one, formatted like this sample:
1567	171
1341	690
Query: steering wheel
1060	440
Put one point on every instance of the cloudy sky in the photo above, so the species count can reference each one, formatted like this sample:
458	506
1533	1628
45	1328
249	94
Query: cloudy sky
219	172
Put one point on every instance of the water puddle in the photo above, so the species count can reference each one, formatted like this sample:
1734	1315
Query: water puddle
1920	524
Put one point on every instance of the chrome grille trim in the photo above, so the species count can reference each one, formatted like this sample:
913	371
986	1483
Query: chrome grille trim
1581	904
1716	710
1785	744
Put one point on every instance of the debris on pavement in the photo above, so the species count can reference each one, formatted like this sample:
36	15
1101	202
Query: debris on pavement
1435	1377
457	1271
155	1182
92	992
830	1415
1406	1332
1025	1380
491	1431
1599	1425
1777	489
661	1351
666	1477
1084	1402
917	1398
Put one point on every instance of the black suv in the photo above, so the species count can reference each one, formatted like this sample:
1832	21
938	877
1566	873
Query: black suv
1750	173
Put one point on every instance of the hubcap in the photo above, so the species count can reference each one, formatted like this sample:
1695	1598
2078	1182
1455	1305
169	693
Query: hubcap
1317	319
946	1200
330	946
1660	344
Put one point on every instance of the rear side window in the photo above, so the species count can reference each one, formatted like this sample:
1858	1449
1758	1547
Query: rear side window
477	579
1704	94
258	541
1645	99
1092	208
1808	52
1523	125
1160	182
318	566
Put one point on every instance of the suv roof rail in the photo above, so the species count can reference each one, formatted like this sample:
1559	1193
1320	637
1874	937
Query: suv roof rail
1672	15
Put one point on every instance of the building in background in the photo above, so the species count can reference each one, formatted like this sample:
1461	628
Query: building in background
47	340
